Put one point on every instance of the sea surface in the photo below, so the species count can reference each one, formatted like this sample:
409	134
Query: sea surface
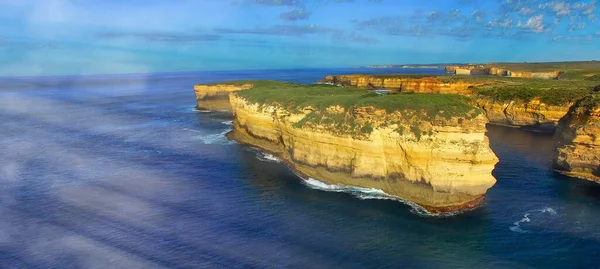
120	171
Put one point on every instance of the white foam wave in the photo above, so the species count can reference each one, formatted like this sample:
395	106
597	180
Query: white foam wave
370	193
214	139
228	122
266	157
516	227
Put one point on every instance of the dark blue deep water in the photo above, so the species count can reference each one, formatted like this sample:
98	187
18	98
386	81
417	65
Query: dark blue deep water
121	172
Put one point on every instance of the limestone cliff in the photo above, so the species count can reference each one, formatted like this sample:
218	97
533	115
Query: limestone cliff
408	84
441	164
216	97
534	114
500	71
526	74
578	140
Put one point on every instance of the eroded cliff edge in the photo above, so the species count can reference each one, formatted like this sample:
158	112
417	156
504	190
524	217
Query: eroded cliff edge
430	150
578	140
521	102
216	96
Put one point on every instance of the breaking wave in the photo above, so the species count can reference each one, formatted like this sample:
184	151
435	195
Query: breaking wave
517	228
213	139
370	193
266	157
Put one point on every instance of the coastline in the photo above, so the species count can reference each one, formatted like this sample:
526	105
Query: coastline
420	209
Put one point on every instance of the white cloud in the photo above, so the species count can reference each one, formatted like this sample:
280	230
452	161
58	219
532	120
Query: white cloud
535	24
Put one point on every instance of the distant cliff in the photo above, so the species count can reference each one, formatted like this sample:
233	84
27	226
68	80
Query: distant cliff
533	114
505	101
216	96
438	158
578	140
419	84
500	71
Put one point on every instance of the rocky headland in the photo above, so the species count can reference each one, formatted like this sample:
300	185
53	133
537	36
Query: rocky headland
537	104
427	149
504	71
216	96
578	140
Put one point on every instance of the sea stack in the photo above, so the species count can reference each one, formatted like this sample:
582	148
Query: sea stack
578	139
427	149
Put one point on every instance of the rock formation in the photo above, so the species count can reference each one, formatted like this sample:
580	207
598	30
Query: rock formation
499	71
398	84
542	75
216	96
533	114
441	164
578	140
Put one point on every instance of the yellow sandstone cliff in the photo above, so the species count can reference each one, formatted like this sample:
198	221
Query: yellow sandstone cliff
443	165
420	85
527	74
216	97
534	114
578	140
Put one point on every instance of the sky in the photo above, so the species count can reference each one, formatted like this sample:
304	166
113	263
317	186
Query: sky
75	37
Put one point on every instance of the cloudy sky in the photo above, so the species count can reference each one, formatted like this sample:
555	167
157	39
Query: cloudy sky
55	37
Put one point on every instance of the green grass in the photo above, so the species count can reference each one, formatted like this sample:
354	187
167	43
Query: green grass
552	92
572	85
296	97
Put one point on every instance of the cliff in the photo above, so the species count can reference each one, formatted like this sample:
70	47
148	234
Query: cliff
216	96
500	71
419	84
531	103
578	140
533	114
432	155
541	75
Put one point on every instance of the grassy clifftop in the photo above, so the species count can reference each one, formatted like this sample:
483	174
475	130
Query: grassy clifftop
573	86
299	96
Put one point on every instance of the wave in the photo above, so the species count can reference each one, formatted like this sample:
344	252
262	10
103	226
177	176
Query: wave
228	122
516	227
266	157
371	193
358	192
214	139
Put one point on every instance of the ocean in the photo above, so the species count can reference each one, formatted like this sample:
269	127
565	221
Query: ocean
120	171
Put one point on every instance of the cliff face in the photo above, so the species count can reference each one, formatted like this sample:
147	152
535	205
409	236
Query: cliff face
216	97
578	140
443	165
420	85
499	71
533	114
543	75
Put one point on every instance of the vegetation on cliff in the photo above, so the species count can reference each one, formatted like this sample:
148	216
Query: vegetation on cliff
551	92
564	91
317	100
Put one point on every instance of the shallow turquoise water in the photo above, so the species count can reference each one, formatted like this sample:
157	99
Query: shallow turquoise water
121	172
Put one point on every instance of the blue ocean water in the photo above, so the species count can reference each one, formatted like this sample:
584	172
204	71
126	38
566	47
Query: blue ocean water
121	172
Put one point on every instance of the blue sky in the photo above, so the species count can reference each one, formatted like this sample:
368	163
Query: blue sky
56	37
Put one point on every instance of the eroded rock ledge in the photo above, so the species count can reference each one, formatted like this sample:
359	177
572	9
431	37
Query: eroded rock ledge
216	96
489	93
578	140
442	163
